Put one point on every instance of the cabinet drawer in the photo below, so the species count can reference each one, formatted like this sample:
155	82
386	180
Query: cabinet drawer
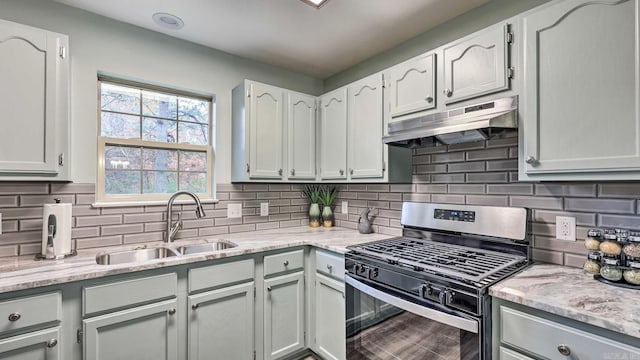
219	275
506	354
292	260
30	311
516	329
121	294
330	264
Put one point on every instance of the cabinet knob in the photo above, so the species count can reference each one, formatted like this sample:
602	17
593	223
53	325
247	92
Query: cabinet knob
171	311
448	92
268	288
195	306
280	172
351	171
341	172
429	99
248	168
14	316
286	263
52	343
564	350
531	160
293	172
329	267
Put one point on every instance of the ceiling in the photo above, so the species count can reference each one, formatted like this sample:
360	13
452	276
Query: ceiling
290	33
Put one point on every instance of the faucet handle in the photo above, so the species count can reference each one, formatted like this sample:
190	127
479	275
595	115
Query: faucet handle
179	222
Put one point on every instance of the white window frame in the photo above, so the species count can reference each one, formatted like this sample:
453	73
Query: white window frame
103	199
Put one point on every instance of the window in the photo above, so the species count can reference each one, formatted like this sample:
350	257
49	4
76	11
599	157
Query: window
152	142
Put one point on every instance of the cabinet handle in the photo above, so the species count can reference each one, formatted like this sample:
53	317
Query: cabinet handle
171	311
195	306
248	168
329	267
429	99
14	316
286	263
52	343
293	172
531	160
351	171
268	288
564	350
280	172
448	92
341	172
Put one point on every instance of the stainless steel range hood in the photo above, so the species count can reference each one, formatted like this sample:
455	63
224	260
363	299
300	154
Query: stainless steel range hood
469	123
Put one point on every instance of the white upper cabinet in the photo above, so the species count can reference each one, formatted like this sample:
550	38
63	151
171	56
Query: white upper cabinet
266	123
477	65
34	70
412	86
365	149
580	106
301	124
333	135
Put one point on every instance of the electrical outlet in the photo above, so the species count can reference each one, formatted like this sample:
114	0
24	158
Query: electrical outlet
234	211
264	209
566	228
345	207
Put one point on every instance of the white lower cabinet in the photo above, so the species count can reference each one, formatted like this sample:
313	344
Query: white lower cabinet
146	332
36	345
283	315
506	354
330	318
221	323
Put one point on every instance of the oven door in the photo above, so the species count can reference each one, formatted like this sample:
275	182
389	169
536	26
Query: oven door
381	325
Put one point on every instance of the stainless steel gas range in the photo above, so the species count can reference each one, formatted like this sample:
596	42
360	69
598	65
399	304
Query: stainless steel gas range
425	295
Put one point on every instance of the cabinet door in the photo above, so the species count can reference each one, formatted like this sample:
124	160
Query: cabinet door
283	315
301	122
265	122
476	65
333	135
221	324
365	147
143	333
412	86
330	318
37	345
32	71
581	88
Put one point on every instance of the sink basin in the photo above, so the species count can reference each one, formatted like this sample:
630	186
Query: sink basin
137	255
205	247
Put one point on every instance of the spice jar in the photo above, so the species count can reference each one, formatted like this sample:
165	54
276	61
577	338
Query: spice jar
611	273
592	242
632	276
610	247
591	267
632	250
612	260
634	236
594	256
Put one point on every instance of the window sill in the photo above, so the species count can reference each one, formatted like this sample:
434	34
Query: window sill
112	204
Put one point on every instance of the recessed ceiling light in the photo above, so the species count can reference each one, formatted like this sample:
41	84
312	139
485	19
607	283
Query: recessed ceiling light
315	3
168	21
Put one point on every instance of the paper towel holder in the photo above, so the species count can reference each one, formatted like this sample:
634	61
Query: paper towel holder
56	232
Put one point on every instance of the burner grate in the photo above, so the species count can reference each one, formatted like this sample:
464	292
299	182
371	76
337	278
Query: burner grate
466	263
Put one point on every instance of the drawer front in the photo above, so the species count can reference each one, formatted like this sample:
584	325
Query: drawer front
30	311
549	335
506	354
279	263
219	275
121	294
330	264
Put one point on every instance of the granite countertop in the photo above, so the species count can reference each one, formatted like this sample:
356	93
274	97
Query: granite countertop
572	293
24	272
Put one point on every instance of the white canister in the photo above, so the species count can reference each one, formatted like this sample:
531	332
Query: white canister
56	230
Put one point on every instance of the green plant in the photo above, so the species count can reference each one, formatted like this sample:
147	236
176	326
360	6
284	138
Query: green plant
312	192
327	195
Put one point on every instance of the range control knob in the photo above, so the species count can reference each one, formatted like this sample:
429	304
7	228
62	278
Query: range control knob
374	273
446	297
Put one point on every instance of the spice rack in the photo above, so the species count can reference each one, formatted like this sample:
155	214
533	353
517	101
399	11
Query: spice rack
614	256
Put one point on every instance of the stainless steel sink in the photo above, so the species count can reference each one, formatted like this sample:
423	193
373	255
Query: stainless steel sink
205	247
136	255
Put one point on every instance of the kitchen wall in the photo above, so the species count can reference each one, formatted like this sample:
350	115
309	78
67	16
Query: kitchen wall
99	44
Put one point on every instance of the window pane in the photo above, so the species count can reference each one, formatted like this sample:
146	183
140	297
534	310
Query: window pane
160	159
122	182
192	133
193	161
158	130
159	105
121	157
193	110
120	98
196	182
120	125
160	182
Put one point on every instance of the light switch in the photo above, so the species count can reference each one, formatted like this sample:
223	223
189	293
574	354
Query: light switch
345	207
234	211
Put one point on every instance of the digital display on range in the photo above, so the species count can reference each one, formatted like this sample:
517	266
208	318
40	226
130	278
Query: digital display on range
454	215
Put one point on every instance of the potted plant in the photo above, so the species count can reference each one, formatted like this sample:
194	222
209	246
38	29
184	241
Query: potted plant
327	196
312	192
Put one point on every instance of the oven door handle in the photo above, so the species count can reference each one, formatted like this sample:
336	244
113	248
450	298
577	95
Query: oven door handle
425	312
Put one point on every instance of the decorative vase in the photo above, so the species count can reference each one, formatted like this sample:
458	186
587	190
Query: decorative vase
314	215
327	216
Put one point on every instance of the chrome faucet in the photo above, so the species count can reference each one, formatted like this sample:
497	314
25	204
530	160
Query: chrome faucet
173	229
